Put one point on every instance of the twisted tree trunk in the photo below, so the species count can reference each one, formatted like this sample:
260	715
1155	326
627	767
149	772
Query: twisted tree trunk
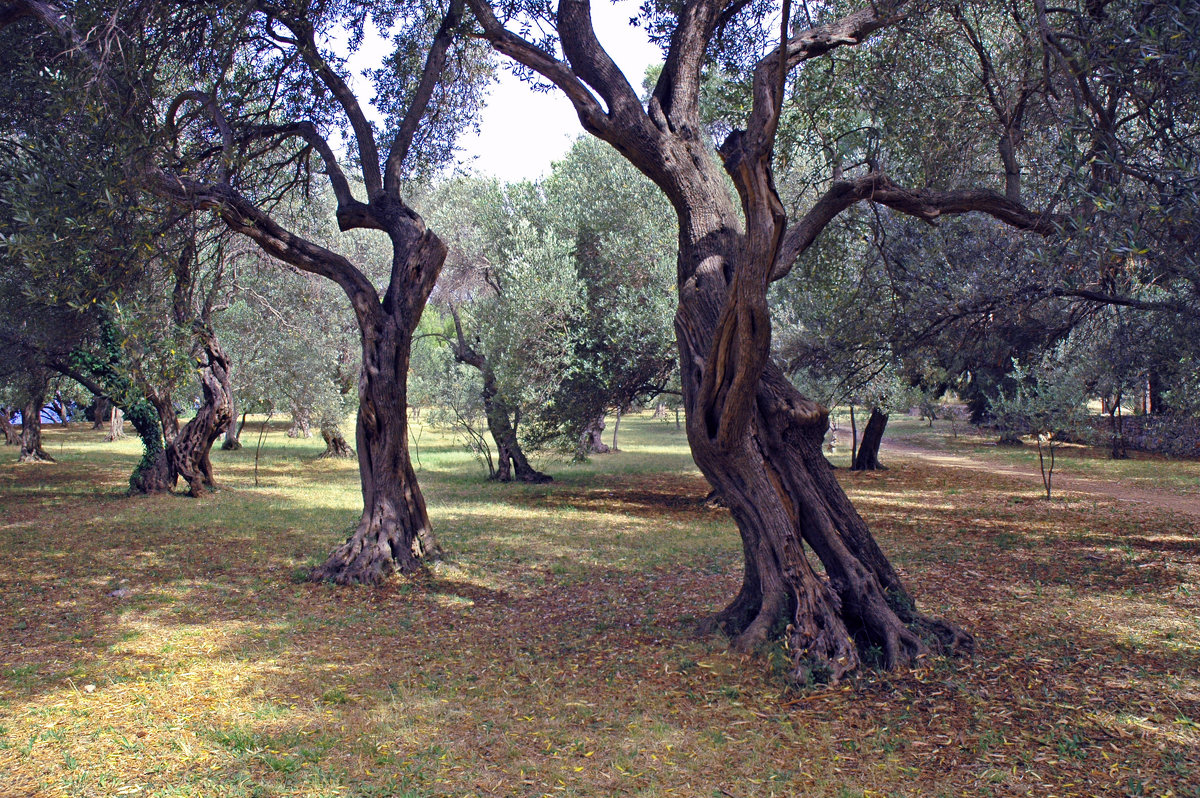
188	452
335	443
867	458
394	533
591	440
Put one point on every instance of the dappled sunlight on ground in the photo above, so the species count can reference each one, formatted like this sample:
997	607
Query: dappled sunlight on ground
171	647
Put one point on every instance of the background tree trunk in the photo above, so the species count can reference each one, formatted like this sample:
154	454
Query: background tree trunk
867	458
116	423
501	420
31	422
101	410
188	452
591	440
11	436
301	423
335	443
616	428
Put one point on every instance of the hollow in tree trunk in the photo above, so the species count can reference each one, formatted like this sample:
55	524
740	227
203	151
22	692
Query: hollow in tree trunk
867	458
335	443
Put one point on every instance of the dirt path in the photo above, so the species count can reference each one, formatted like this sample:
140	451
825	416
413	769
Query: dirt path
1161	500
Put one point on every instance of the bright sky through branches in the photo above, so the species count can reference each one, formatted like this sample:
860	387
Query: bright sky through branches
523	131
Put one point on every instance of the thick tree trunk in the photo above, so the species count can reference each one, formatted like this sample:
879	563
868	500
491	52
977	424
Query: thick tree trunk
335	443
11	436
101	410
591	440
867	458
116	423
31	429
152	474
394	534
782	493
188	452
301	424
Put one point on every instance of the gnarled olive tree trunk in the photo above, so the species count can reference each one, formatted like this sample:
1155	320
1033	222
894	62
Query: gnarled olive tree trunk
867	458
501	419
188	452
394	533
31	431
781	490
335	443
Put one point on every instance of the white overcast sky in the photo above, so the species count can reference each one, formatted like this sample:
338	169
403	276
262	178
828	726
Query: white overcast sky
521	132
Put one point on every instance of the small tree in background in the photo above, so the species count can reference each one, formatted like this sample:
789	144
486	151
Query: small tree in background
1049	400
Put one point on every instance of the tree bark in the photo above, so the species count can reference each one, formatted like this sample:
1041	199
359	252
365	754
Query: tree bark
616	428
116	423
867	458
11	436
31	424
233	429
335	443
394	534
188	452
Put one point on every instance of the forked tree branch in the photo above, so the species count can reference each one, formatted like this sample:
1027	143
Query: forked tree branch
591	114
435	65
243	216
306	45
924	204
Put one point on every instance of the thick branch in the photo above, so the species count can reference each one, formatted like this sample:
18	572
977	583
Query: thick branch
363	134
922	203
218	118
242	216
594	65
1127	302
435	64
591	115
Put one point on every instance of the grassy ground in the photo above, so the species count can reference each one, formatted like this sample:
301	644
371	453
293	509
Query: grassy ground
167	646
1141	470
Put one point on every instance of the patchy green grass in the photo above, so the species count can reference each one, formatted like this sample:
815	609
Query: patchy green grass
168	647
1143	470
